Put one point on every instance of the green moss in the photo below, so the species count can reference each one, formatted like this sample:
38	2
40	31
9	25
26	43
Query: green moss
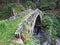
7	30
18	8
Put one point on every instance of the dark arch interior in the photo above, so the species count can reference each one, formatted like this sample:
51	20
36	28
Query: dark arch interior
37	27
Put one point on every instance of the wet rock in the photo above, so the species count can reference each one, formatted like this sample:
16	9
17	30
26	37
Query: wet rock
45	43
58	41
18	41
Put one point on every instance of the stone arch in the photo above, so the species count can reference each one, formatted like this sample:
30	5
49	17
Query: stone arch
37	21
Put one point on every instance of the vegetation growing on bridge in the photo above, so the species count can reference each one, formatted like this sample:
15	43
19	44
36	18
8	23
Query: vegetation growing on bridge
7	30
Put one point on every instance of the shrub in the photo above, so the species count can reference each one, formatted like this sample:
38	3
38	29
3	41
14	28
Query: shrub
50	24
58	16
30	3
5	11
18	8
58	24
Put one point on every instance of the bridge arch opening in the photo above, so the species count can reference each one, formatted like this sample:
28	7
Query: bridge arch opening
37	26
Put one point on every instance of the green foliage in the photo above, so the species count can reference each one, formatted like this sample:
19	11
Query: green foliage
24	30
18	8
2	27
7	30
51	23
58	24
28	41
46	4
30	3
58	16
5	11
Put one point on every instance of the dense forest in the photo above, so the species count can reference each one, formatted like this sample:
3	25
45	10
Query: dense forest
44	5
50	18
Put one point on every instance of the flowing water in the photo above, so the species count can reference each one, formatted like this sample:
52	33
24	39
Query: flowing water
37	40
41	39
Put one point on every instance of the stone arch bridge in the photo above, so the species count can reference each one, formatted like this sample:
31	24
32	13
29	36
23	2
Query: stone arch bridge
33	18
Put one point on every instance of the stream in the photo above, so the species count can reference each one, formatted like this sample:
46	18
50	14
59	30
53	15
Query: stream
41	37
38	38
43	40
